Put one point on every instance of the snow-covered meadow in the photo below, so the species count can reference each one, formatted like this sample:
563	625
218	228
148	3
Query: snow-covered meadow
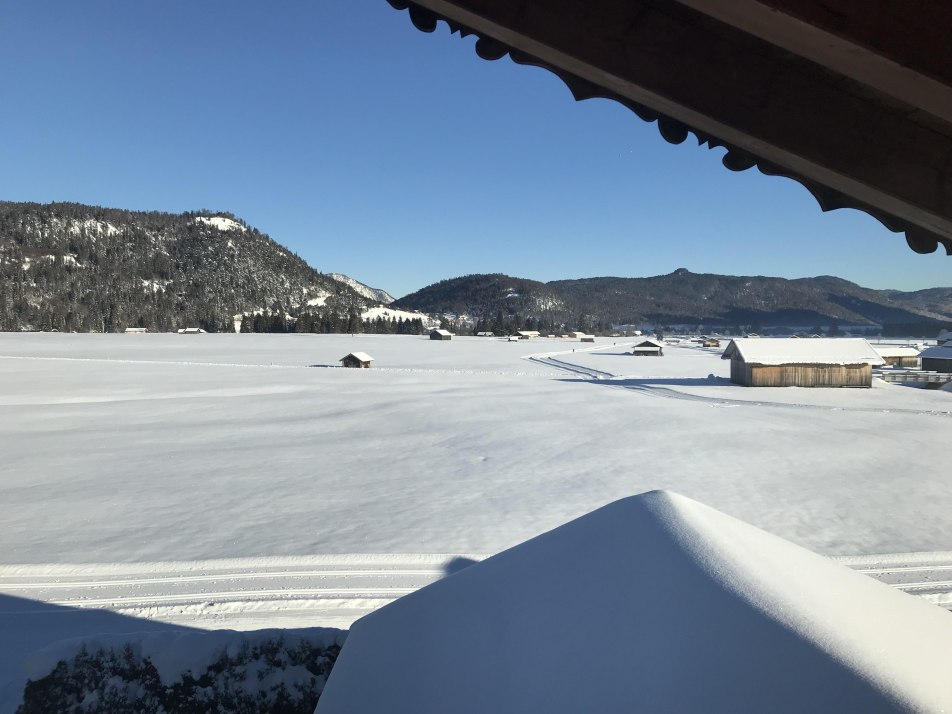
120	448
130	461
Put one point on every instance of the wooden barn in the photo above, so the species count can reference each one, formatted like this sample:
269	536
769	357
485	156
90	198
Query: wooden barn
824	362
710	342
441	335
648	348
938	358
895	356
356	360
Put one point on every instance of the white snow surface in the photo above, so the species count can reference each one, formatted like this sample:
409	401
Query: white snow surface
389	313
221	223
652	603
155	448
821	350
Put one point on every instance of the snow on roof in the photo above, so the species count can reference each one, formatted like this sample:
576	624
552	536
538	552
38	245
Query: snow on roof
649	343
443	332
894	351
849	350
362	356
938	352
652	603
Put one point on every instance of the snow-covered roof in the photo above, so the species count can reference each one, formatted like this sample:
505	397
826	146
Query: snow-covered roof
649	343
652	603
361	356
445	333
838	351
937	352
895	351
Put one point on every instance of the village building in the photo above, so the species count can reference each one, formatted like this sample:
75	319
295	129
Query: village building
526	334
135	330
356	360
587	338
485	334
895	356
824	362
441	335
938	358
191	331
710	342
648	348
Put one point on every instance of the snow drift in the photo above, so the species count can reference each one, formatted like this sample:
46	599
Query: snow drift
652	603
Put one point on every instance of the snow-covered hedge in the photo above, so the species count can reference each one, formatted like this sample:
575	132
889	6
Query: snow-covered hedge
185	673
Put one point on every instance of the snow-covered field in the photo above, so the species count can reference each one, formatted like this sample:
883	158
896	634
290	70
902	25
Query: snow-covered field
250	462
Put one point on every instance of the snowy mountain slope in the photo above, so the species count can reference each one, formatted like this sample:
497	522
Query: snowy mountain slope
376	294
72	267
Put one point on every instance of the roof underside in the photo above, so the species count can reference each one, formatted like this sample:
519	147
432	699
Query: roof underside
853	99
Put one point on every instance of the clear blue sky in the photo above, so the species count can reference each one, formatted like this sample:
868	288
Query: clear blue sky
396	157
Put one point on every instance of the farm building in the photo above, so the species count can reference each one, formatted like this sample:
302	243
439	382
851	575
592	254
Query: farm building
895	356
587	338
526	334
824	362
710	342
485	334
648	348
136	330
938	358
441	335
356	360
191	331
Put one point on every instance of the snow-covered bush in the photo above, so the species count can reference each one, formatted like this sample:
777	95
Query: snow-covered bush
246	673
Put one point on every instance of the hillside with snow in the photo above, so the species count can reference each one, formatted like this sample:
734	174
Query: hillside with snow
70	267
375	294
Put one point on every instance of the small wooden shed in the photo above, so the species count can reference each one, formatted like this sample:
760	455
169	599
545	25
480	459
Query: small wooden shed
938	358
587	338
710	342
824	362
648	348
895	356
441	335
356	360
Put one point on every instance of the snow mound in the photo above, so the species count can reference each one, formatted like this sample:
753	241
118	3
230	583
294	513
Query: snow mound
652	603
221	223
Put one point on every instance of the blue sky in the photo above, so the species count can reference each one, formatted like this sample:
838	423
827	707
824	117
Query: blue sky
396	157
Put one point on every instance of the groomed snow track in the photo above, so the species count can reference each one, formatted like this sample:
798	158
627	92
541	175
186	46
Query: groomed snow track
322	590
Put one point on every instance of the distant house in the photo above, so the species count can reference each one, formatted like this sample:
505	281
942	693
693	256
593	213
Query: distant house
710	342
648	348
938	358
587	338
136	330
441	335
485	334
898	356
824	362
526	334
356	360
191	331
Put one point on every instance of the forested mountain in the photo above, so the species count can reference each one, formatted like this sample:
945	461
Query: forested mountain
69	267
682	298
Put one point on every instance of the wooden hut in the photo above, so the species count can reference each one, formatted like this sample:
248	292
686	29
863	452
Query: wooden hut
356	360
441	335
648	348
710	342
824	362
895	356
938	358
587	338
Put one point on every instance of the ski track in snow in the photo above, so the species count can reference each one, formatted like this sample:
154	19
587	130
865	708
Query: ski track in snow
650	390
326	590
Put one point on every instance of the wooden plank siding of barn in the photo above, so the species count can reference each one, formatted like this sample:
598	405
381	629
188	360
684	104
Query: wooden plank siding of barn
937	364
801	375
